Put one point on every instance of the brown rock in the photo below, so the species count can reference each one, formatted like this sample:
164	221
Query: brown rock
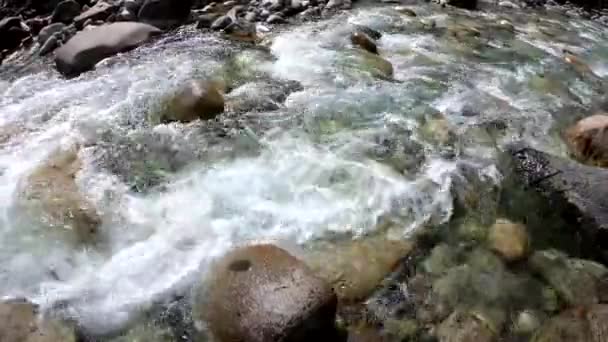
597	316
363	41
588	140
19	322
464	327
509	239
356	267
261	293
52	190
567	327
198	99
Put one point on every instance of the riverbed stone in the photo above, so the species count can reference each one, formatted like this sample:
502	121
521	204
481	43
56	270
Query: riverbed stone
462	326
356	267
197	99
576	190
573	285
588	140
66	11
88	47
363	41
20	322
50	192
566	327
165	14
49	31
509	239
262	293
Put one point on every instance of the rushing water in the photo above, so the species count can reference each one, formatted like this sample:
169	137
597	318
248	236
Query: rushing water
338	157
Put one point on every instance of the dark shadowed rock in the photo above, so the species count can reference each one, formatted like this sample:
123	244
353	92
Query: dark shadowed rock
466	4
87	48
11	33
578	191
36	24
261	293
197	99
363	41
66	11
206	20
165	14
101	11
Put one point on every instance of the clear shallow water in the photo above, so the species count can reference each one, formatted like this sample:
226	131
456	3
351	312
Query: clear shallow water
342	155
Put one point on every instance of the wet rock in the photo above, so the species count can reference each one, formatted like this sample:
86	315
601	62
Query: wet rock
165	14
372	64
101	11
579	65
198	99
275	19
588	140
126	15
12	32
363	41
597	316
50	44
527	322
262	293
206	20
573	285
221	23
338	4
441	259
19	322
133	5
464	327
509	239
241	32
260	95
567	327
87	48
576	190
65	12
51	192
405	11
49	31
357	267
250	17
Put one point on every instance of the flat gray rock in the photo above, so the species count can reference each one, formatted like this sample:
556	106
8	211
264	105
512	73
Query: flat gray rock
88	47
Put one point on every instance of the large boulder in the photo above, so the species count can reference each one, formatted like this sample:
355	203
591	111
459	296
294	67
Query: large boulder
588	140
197	99
51	193
19	322
577	191
88	47
261	293
165	14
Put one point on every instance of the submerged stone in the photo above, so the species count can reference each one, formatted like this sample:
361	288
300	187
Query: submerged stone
509	239
50	192
197	99
574	286
464	327
363	41
356	267
261	293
